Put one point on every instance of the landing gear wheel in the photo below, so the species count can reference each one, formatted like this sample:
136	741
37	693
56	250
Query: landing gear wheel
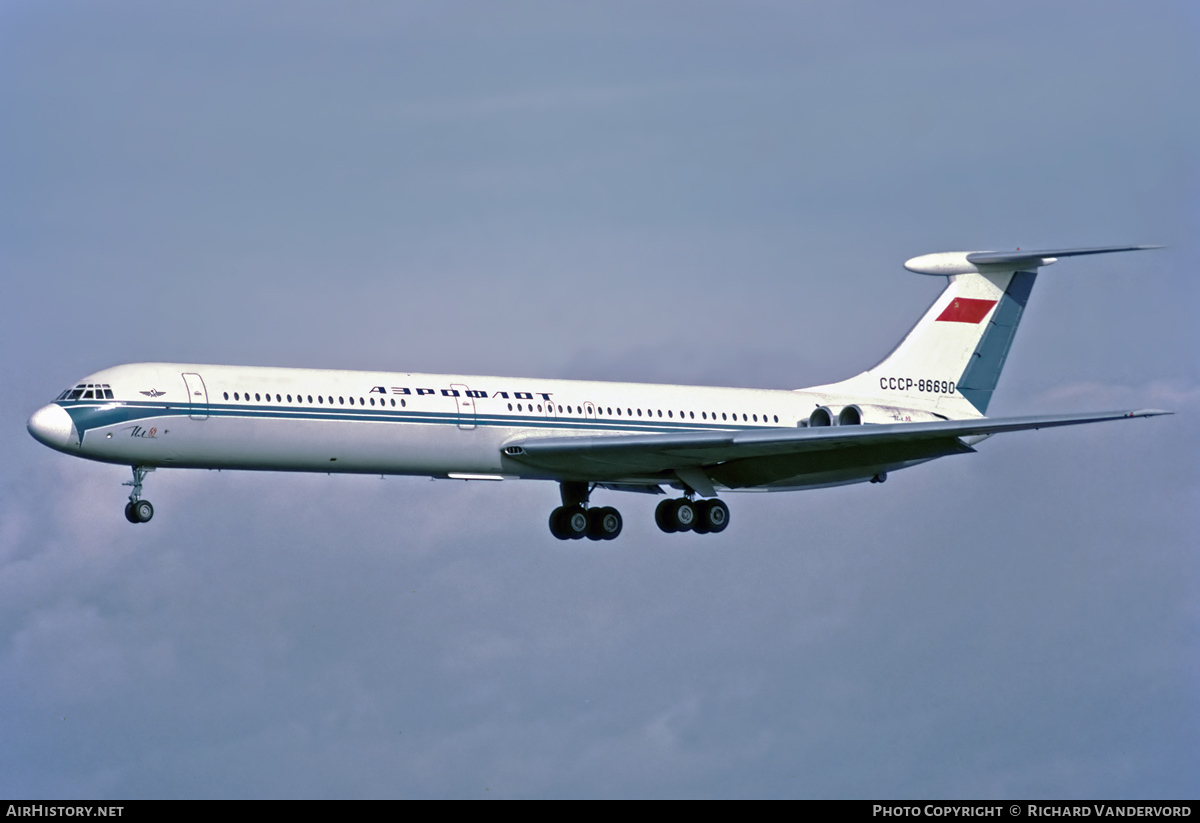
574	522
138	510
685	515
604	524
677	515
701	526
556	526
664	516
142	510
714	516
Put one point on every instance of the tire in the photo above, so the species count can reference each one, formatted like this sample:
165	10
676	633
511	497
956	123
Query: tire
604	524
664	516
684	515
143	511
556	527
129	515
575	521
716	517
701	526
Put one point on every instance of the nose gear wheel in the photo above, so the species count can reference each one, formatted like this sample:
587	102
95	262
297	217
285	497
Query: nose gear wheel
138	510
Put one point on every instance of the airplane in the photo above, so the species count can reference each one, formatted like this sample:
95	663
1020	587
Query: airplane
927	399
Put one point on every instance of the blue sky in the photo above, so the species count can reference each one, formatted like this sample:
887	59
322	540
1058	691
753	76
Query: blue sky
714	193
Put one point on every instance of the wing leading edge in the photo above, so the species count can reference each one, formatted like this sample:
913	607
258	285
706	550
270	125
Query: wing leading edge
745	459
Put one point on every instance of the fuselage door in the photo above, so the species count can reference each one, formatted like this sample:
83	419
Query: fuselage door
197	396
589	411
466	406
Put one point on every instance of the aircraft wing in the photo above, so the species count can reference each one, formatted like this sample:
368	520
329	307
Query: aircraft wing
747	458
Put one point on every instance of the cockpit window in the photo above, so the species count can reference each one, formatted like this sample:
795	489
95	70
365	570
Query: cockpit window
88	391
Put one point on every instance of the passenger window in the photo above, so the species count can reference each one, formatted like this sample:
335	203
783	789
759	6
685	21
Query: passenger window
722	415
320	399
670	413
403	403
756	418
393	401
226	395
660	412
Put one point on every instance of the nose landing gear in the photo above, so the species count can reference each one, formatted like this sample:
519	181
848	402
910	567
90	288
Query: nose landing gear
138	510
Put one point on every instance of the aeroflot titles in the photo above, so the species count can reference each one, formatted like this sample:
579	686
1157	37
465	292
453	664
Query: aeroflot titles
477	393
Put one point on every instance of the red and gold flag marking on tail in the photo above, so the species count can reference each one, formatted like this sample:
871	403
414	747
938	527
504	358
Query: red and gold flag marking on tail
966	310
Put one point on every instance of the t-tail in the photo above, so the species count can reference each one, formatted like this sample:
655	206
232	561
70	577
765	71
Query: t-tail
950	363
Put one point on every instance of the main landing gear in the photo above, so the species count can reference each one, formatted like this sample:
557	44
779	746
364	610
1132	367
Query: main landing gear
573	520
138	510
686	515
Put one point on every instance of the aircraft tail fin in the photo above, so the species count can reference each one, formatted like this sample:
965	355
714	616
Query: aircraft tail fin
952	358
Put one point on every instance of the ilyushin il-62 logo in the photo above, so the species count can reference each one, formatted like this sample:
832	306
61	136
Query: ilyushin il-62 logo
153	393
464	392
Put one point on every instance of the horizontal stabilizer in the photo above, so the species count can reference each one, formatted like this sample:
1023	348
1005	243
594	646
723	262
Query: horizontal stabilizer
967	262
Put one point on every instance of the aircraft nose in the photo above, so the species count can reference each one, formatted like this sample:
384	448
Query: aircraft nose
53	426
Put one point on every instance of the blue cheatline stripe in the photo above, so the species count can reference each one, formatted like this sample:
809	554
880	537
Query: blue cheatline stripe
92	415
979	379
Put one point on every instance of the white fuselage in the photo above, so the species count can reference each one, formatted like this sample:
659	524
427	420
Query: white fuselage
239	417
